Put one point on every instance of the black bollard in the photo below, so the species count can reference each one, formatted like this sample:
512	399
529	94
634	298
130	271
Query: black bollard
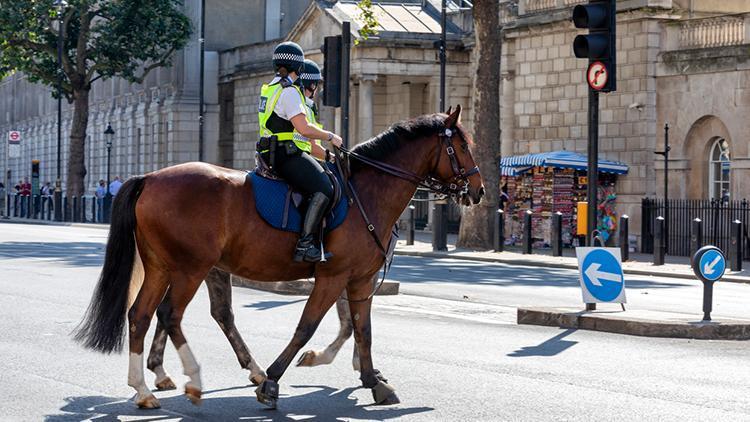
35	206
410	232
93	210
708	295
498	238
624	236
65	209
556	239
659	241
50	207
527	233
83	209
735	246
696	235
7	205
15	205
439	227
27	201
76	213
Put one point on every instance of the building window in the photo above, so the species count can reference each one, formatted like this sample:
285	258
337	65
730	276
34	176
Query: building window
718	170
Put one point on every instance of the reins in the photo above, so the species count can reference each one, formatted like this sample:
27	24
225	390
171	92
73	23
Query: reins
458	185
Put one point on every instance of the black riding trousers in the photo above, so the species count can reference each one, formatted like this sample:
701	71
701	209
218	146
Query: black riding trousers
302	171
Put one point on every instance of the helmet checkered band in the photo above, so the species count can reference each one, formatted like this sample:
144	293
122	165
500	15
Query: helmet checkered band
288	57
310	76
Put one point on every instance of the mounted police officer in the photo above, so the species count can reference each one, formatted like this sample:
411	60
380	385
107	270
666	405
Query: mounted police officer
285	143
309	81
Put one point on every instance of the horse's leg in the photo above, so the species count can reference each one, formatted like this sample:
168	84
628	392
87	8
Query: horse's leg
183	289
155	283
155	359
324	295
360	289
326	356
220	292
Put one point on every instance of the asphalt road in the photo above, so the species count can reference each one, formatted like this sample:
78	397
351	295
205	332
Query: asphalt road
449	345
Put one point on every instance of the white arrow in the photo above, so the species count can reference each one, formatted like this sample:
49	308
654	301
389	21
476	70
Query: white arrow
708	269
593	273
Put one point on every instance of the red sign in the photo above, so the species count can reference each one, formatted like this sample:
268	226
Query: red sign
14	136
597	75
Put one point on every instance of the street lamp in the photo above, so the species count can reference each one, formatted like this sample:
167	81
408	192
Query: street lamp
108	134
665	153
60	6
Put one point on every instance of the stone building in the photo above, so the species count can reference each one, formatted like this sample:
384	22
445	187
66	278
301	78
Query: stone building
156	123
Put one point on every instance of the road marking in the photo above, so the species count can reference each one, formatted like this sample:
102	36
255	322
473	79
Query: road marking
408	309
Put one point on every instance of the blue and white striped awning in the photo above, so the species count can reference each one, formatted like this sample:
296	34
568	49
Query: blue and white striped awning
512	166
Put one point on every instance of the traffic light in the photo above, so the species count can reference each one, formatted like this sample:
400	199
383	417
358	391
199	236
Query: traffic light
332	71
599	16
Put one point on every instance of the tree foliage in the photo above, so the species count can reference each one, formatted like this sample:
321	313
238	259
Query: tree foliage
369	20
102	39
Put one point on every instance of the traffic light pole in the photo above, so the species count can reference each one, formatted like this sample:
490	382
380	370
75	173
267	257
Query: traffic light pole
593	165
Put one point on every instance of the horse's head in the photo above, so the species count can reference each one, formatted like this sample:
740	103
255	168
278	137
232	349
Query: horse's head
454	165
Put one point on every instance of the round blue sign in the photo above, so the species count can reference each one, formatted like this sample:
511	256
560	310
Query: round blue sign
709	263
602	275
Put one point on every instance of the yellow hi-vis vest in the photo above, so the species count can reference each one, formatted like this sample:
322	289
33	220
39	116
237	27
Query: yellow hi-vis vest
269	96
312	118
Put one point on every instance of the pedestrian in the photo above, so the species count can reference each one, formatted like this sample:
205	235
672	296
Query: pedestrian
25	196
47	190
114	187
101	191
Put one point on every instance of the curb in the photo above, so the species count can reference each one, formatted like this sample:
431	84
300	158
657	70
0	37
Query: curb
16	220
534	263
300	287
565	318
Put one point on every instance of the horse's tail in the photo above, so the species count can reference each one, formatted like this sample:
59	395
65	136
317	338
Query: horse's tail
102	328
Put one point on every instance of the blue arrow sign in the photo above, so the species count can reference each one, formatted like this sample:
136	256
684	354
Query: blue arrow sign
712	265
602	275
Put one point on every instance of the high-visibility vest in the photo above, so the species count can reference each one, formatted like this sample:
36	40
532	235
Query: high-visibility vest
313	119
269	96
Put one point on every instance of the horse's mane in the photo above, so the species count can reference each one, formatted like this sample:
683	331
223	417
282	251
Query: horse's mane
392	139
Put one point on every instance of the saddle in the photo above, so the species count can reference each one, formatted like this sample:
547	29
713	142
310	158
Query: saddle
283	208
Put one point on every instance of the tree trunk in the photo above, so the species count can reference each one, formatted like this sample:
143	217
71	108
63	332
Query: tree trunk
477	222
76	164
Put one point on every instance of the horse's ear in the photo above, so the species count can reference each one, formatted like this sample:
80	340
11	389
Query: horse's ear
449	110
453	118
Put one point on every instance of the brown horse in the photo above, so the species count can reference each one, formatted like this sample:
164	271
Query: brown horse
178	223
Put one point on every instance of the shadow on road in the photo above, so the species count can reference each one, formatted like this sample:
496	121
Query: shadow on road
550	347
86	254
418	270
325	403
270	304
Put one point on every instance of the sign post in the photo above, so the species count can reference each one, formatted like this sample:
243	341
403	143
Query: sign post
709	264
12	150
601	276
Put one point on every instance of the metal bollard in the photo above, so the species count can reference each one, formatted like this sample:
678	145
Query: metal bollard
75	209
65	209
735	246
659	241
557	249
27	201
410	232
7	205
93	211
83	209
527	233
50	207
439	227
15	205
624	236
696	235
498	240
35	202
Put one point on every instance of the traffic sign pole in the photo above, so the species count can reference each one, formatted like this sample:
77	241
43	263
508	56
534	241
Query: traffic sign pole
709	264
708	295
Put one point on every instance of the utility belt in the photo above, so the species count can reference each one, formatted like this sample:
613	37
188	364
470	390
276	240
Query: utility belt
270	144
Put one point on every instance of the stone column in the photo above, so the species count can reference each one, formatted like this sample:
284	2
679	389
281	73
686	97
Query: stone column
365	115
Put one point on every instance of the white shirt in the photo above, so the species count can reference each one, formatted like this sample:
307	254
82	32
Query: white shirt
289	104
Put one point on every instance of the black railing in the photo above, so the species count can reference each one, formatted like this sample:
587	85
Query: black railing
84	209
716	215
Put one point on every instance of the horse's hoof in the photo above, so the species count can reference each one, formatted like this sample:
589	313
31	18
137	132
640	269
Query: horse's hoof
307	359
165	384
384	394
148	402
268	393
194	394
257	379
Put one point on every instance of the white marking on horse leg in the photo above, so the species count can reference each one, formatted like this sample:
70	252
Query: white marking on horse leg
137	380
190	367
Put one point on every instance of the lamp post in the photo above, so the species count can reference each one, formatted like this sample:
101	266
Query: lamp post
60	6
108	134
665	153
439	217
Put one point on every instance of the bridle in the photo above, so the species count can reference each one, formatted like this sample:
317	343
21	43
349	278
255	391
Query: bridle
454	187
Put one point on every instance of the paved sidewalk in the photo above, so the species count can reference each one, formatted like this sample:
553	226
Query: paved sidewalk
640	264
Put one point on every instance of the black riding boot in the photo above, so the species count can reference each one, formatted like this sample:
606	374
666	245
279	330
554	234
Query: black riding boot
307	250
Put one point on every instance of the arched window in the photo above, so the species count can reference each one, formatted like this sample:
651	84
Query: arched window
718	170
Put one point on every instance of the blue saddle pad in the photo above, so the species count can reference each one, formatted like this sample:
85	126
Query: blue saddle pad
273	201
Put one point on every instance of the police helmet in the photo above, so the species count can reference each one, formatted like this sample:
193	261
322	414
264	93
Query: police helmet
290	56
310	75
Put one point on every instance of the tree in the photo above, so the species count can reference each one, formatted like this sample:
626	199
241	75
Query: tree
477	222
102	39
